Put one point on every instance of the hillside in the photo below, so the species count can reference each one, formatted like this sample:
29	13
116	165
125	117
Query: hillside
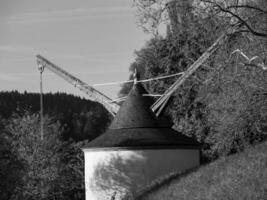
79	118
240	176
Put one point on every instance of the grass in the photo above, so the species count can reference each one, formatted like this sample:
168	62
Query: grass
240	176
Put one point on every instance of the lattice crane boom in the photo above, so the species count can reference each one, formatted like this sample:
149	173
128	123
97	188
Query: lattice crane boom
92	93
158	106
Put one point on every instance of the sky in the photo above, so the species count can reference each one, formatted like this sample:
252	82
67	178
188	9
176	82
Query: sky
94	40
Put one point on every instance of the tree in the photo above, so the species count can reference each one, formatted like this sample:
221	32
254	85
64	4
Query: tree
151	14
10	168
43	169
235	95
216	104
252	15
40	158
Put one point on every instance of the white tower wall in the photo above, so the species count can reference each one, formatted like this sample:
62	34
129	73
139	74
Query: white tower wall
120	171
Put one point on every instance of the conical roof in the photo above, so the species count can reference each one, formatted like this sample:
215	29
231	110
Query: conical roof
136	126
135	112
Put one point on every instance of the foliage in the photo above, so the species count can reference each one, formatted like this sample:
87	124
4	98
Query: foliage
39	158
173	54
79	118
153	14
235	95
71	182
10	168
241	176
44	169
223	104
51	168
251	15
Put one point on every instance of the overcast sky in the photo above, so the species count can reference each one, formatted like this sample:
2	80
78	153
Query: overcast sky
92	39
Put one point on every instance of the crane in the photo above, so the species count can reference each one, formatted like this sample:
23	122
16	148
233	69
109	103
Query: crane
112	106
93	94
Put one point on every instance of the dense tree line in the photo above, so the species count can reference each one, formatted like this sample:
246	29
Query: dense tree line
79	118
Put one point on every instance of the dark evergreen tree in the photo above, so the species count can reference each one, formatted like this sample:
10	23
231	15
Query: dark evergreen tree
79	118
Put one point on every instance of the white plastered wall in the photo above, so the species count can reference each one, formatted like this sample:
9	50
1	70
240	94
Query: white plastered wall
118	172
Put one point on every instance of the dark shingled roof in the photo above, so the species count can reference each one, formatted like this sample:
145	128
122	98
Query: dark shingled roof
136	125
135	111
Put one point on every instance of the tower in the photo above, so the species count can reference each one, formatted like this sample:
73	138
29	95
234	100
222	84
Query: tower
135	150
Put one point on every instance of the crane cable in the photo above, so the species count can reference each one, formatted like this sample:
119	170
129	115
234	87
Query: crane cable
41	70
139	81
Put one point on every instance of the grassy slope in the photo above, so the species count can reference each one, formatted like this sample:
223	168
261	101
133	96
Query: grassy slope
241	176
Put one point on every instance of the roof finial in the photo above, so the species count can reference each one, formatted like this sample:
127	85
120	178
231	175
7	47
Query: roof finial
135	76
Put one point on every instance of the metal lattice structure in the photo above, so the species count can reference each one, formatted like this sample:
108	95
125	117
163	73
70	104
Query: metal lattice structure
111	105
92	93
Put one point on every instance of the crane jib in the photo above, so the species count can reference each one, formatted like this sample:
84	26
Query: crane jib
94	94
158	106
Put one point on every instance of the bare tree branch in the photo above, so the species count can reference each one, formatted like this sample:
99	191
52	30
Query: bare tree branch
248	7
260	34
241	20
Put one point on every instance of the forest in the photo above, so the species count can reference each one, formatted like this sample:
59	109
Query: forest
223	104
32	168
79	118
